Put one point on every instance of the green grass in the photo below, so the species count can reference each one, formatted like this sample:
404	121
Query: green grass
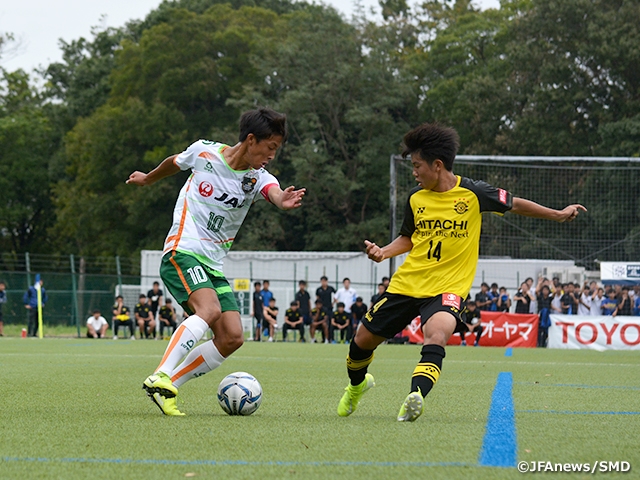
81	399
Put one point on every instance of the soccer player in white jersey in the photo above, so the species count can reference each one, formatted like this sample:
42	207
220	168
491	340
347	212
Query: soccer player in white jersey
225	181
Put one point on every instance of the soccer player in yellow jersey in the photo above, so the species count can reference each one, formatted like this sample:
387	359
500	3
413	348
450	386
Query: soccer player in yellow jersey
441	232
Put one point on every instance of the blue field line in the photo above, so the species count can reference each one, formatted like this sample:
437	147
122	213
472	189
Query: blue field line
129	461
508	352
569	412
577	385
499	446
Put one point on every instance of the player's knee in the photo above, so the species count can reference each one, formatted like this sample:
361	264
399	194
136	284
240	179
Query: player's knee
436	338
233	341
210	314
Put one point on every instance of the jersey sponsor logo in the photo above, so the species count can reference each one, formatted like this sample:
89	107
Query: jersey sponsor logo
420	210
230	200
205	189
248	183
208	167
451	300
461	206
502	195
442	224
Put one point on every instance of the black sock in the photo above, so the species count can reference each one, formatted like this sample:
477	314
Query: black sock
357	362
428	369
479	333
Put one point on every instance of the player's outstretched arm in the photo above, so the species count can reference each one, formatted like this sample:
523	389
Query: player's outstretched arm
166	168
286	199
400	245
528	208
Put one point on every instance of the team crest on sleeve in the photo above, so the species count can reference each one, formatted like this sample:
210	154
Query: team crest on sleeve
461	205
249	183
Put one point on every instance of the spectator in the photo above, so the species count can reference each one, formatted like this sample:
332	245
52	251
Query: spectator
293	319
96	325
584	301
471	317
493	295
121	318
625	309
304	302
270	315
556	300
533	301
523	298
155	299
569	301
266	293
30	300
385	282
144	319
610	304
325	293
3	299
376	297
596	302
346	295
544	311
482	298
340	321
257	307
319	319
556	286
167	317
636	302
504	302
358	310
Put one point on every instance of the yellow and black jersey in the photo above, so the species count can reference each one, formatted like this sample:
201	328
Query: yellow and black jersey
144	311
292	316
123	316
166	312
341	318
445	231
321	316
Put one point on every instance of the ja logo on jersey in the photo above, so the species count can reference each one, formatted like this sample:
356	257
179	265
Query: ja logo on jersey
205	189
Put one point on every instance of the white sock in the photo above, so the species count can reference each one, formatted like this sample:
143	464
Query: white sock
202	359
182	342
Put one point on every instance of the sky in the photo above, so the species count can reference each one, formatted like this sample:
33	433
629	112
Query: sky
39	24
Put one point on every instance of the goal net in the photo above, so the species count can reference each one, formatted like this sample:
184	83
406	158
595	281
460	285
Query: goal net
609	187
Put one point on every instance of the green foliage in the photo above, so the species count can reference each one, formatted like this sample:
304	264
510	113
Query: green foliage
534	77
26	142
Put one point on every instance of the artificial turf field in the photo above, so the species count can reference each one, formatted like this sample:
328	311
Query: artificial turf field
75	409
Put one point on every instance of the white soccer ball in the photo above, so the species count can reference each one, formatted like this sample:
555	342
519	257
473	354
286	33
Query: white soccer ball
239	393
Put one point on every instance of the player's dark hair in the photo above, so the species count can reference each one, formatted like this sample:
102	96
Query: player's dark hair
358	299
302	282
345	279
257	284
96	311
156	283
323	278
340	304
272	299
266	281
318	301
263	123
494	285
168	300
432	142
484	284
142	295
293	304
119	296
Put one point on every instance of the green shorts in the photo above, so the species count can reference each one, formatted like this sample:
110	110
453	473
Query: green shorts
183	274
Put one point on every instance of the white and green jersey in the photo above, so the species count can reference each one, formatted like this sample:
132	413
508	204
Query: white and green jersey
213	203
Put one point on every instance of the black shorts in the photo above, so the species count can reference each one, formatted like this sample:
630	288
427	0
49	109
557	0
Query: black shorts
393	312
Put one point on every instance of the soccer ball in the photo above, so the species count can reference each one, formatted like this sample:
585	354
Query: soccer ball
239	393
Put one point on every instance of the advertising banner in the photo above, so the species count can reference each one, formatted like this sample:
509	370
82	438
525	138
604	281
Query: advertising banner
596	333
500	330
